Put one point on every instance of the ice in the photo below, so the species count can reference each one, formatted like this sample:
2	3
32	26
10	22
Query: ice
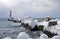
34	23
43	36
7	38
44	23
26	20
23	35
29	22
58	22
52	20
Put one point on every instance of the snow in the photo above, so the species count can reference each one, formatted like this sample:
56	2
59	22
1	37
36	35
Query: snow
7	38
23	35
25	22
27	19
52	20
52	29
45	24
58	22
33	23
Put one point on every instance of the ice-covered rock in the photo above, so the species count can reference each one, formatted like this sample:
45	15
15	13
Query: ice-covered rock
27	22
44	23
52	20
33	23
48	18
7	38
27	19
58	22
43	36
57	29
23	35
56	37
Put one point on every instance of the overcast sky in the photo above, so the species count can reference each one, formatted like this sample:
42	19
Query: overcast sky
34	8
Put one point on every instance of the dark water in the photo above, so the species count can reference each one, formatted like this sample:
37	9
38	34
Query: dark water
10	29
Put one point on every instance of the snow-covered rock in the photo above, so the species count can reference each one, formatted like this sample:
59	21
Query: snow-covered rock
44	23
27	22
7	38
58	22
43	36
23	35
33	23
52	20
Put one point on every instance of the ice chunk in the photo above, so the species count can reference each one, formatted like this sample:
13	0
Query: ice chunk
58	22
43	36
45	24
27	22
23	35
7	38
52	20
33	23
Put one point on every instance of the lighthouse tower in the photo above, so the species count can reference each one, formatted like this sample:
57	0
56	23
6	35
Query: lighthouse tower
10	14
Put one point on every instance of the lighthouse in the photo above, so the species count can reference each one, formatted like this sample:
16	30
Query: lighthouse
10	14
